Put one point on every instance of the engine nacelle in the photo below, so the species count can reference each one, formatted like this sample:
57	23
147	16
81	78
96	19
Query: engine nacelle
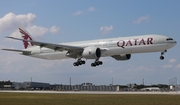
91	53
122	57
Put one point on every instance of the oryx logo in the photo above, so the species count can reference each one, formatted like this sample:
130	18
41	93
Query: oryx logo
89	52
26	37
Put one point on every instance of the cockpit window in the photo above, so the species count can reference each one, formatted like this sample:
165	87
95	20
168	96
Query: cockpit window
169	39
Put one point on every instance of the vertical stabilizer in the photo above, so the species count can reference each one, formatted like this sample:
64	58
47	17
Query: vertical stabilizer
25	35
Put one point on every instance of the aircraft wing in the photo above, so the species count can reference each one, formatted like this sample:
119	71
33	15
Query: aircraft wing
23	51
52	46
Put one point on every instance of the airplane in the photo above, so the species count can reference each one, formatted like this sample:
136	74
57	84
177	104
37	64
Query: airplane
119	48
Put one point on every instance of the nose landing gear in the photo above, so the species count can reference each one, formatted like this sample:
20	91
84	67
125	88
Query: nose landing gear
162	53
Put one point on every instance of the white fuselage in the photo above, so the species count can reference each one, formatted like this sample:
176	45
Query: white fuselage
111	46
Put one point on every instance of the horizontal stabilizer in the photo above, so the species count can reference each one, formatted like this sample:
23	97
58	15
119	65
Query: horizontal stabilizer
15	50
14	38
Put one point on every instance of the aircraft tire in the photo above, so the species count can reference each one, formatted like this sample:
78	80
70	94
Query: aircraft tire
93	64
83	62
75	64
100	62
161	57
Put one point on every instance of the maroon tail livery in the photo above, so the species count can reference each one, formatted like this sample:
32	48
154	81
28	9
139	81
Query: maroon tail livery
25	35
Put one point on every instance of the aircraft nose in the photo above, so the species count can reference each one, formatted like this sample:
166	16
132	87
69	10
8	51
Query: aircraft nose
174	43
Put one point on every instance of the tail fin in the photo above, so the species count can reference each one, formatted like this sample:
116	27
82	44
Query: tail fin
25	35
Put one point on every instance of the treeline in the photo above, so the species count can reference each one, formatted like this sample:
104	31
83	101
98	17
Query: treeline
6	82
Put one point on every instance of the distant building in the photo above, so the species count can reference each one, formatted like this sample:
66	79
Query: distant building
31	85
36	85
18	86
79	87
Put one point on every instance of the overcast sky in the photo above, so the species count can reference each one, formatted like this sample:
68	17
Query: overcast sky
75	20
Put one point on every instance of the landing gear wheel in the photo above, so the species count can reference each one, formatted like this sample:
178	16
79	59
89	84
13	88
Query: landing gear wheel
75	64
79	62
93	64
100	62
83	62
162	57
96	63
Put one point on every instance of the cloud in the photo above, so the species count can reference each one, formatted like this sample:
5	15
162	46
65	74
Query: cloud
167	66
11	21
40	31
37	30
54	30
141	68
77	13
172	60
80	12
91	9
142	19
177	66
171	65
106	29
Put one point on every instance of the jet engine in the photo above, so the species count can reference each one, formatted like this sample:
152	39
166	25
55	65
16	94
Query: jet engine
122	57
91	53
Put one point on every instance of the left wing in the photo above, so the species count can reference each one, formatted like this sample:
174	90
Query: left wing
59	47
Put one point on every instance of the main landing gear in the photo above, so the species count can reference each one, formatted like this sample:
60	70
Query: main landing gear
162	53
79	62
96	63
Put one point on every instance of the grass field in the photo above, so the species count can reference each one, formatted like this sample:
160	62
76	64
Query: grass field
86	99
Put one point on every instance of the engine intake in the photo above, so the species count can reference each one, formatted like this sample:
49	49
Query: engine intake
91	53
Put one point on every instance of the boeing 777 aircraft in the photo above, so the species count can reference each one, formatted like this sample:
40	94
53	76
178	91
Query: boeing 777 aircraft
119	48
